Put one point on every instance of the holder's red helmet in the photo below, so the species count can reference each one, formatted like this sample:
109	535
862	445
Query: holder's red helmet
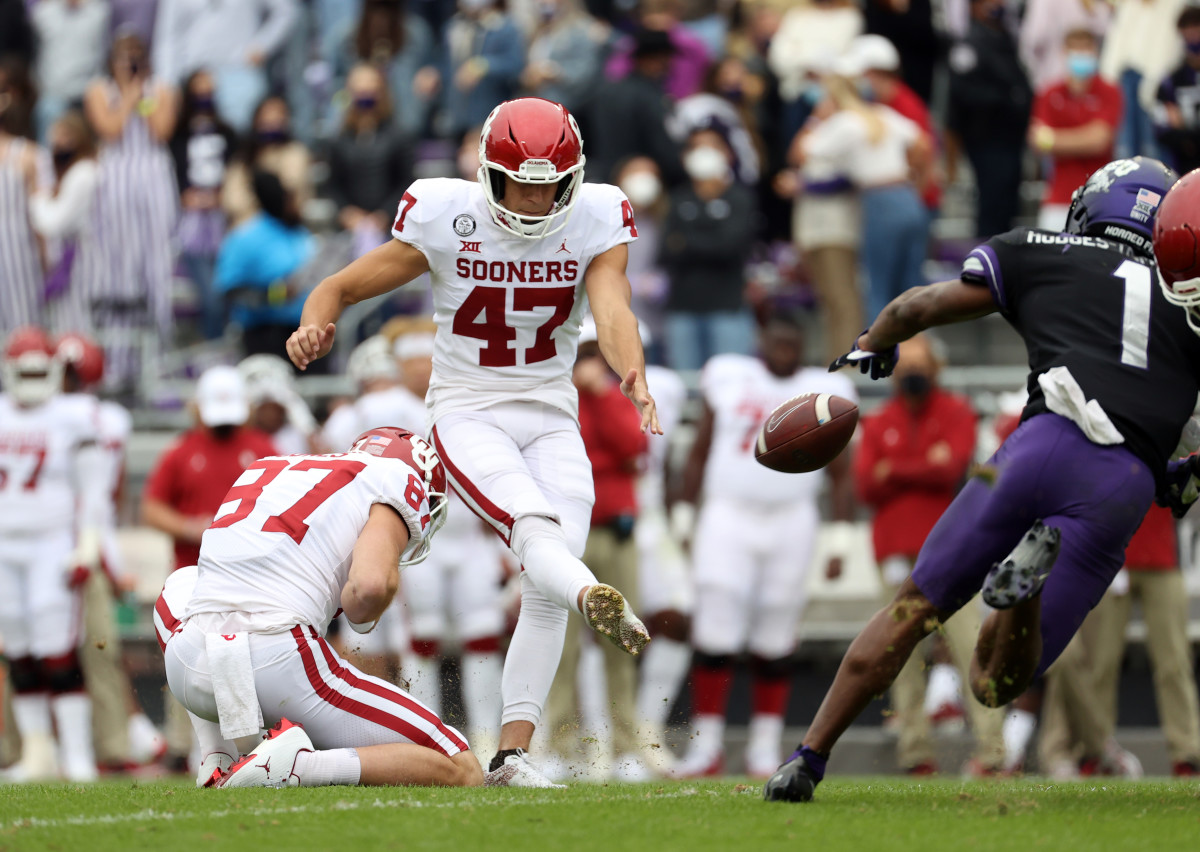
531	140
392	442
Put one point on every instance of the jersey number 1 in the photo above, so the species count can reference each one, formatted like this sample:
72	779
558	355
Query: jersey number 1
1135	323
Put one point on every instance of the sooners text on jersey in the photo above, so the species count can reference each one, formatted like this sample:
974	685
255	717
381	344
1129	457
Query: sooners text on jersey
508	309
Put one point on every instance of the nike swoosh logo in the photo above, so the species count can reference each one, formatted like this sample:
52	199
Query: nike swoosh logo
780	416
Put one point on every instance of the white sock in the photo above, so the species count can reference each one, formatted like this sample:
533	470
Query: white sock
708	735
541	546
144	738
766	734
943	688
73	719
1019	726
481	678
32	712
533	655
424	680
664	667
335	767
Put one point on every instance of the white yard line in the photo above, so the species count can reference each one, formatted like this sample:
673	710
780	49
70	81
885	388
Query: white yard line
153	815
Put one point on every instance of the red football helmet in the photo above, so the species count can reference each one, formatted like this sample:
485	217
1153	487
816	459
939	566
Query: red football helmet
1177	246
392	442
82	354
531	140
32	372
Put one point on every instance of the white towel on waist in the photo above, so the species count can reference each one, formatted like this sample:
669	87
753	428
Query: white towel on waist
1065	398
232	674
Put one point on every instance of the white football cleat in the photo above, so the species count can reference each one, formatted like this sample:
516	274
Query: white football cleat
1120	761
1022	573
212	767
517	771
272	764
629	768
607	612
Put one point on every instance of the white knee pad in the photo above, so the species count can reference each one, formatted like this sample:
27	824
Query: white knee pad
541	546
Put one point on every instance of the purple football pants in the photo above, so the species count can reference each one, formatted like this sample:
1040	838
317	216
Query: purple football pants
1095	495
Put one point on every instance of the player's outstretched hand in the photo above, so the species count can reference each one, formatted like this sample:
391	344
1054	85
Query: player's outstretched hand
634	387
1181	486
878	365
308	343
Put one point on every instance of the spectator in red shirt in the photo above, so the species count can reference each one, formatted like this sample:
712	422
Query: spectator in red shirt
882	83
1074	125
913	455
189	482
612	436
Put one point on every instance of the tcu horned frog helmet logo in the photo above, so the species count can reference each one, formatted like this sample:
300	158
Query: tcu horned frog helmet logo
393	442
531	140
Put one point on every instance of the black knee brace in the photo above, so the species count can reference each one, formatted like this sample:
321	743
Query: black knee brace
62	674
778	667
711	661
26	675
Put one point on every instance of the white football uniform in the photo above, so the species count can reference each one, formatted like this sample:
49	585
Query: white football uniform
272	566
116	425
51	485
757	527
503	412
662	569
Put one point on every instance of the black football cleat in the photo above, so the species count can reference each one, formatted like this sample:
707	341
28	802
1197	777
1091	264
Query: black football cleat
792	782
1021	575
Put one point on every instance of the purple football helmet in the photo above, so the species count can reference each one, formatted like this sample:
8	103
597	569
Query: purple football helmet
1120	200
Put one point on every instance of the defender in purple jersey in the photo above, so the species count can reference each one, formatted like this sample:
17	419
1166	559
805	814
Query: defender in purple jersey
1114	373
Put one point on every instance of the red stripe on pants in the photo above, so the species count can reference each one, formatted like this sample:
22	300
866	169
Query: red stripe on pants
492	513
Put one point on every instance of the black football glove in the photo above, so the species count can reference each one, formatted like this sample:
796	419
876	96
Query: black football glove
1181	486
878	364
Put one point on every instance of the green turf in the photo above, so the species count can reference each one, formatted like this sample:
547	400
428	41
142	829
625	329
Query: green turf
857	814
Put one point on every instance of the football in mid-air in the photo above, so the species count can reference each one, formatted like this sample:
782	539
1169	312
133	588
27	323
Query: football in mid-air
806	432
1176	241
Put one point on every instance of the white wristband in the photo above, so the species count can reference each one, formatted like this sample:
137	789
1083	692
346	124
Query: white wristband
365	627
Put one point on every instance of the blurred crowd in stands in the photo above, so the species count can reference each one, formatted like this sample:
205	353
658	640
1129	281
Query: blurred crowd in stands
776	152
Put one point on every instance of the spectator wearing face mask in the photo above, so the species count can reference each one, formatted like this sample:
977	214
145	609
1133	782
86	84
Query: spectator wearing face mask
371	161
1074	124
269	147
202	147
912	456
639	179
1177	121
1044	30
884	155
706	243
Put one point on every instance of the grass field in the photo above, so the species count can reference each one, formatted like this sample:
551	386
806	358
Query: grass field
854	813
